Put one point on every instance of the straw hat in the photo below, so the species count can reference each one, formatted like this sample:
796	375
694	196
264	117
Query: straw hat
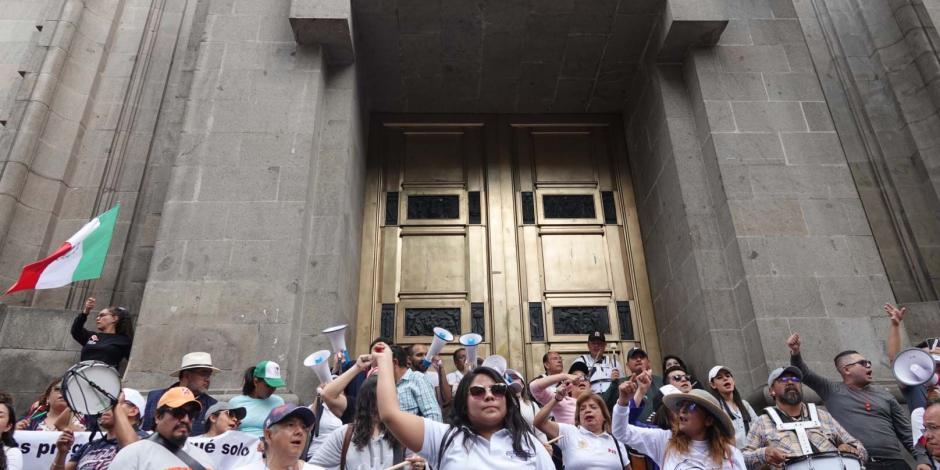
708	403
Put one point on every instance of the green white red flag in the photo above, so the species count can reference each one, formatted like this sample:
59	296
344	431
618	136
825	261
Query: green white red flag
80	258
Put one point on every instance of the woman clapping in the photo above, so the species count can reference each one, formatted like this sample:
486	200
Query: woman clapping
487	430
702	436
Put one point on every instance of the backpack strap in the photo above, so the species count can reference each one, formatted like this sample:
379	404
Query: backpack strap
619	452
446	440
177	451
347	438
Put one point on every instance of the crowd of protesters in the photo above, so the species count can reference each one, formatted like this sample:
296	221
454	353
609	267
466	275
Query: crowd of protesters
395	406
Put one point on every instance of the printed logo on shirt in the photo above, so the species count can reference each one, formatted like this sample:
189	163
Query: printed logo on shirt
510	454
93	339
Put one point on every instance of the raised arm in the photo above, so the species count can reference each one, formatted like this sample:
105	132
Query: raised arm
79	333
538	386
332	393
123	429
651	442
406	427
445	393
821	385
541	421
894	332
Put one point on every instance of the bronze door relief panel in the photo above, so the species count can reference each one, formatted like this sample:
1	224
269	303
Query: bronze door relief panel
521	229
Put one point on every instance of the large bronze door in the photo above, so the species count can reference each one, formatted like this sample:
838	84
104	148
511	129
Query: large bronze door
520	229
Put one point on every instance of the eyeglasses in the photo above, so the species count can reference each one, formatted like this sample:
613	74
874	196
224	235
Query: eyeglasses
930	429
103	314
792	379
680	378
864	363
479	391
687	406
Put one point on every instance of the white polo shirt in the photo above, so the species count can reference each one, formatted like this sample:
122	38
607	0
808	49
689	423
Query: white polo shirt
479	453
583	450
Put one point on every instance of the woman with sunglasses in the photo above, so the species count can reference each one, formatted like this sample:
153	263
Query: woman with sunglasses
702	437
587	444
670	361
574	383
487	430
740	411
111	342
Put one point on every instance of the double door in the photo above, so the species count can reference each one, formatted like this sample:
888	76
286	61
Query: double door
519	228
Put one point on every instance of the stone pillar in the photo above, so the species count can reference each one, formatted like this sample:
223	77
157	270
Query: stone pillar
258	243
752	222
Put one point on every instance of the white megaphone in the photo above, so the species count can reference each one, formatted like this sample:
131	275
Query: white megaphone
337	335
470	341
914	367
441	338
497	363
319	362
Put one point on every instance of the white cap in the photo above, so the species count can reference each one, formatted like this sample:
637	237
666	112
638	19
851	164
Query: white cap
713	372
134	397
667	390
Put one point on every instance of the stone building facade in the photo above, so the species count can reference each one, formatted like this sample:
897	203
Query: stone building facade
774	169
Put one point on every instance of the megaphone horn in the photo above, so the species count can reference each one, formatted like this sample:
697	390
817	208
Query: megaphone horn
337	336
914	367
470	341
319	362
441	338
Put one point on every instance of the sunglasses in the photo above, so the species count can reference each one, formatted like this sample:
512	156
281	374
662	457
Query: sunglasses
680	378
864	363
479	391
789	379
180	413
687	406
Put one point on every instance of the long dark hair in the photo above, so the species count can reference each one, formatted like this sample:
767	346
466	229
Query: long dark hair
739	402
367	416
248	383
125	324
513	422
6	438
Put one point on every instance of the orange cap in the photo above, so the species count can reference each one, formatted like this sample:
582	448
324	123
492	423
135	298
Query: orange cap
177	397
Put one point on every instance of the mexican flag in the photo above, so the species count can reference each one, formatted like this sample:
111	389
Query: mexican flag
81	257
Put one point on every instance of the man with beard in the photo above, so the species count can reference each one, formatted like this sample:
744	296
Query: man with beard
792	428
167	447
416	355
870	414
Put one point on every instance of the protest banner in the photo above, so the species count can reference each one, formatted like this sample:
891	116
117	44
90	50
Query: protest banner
230	449
38	447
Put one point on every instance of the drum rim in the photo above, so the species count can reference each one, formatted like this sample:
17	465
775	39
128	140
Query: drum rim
70	373
818	455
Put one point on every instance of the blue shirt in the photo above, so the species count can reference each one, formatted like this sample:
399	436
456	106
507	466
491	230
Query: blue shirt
416	396
257	410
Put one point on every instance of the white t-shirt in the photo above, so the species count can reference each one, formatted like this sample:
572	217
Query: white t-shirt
328	423
652	442
528	411
454	379
479	453
260	465
377	455
432	377
583	450
14	458
148	455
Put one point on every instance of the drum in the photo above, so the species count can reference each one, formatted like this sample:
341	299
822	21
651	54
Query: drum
91	387
637	461
824	461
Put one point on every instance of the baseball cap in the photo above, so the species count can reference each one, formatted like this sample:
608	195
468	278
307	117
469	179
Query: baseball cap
282	412
636	350
579	366
178	397
713	372
135	398
270	372
597	336
776	373
239	412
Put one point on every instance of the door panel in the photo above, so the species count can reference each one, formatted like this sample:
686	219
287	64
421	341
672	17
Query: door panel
510	227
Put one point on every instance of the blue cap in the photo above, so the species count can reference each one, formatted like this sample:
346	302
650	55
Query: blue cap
282	412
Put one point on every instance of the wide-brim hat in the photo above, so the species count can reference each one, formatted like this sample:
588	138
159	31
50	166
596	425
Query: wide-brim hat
195	360
708	402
